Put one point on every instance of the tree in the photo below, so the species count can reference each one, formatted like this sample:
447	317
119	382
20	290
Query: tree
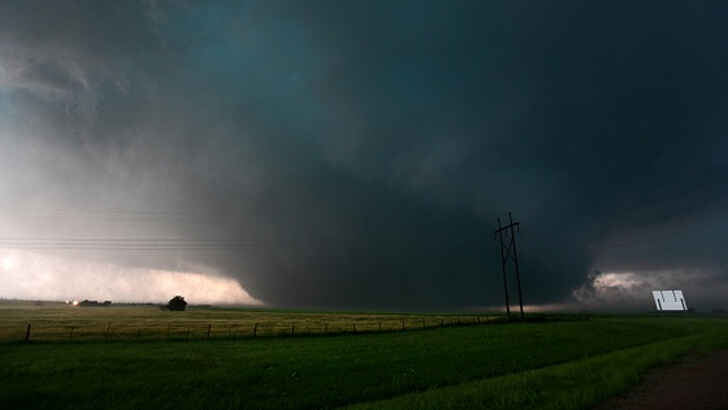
177	303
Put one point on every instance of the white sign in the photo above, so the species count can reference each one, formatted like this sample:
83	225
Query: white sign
669	300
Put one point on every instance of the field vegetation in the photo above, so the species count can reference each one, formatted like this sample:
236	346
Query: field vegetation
61	322
566	364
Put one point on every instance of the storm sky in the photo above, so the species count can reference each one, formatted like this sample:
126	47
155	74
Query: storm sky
357	154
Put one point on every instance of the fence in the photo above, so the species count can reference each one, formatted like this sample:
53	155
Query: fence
220	329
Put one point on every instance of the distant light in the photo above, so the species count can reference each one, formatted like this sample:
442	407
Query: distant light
75	303
8	263
669	300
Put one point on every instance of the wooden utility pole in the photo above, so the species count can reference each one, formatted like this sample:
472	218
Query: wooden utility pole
506	246
499	234
515	260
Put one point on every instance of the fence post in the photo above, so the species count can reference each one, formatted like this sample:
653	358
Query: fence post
27	333
70	336
353	327
187	337
380	326
478	319
106	335
168	330
255	330
293	329
423	323
442	322
402	324
209	328
326	327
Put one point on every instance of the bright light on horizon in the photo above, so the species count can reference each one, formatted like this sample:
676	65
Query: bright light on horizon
30	275
8	262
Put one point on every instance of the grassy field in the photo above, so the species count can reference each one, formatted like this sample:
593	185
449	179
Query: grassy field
550	364
60	322
578	384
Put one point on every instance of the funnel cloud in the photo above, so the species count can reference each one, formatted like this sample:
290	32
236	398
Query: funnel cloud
357	154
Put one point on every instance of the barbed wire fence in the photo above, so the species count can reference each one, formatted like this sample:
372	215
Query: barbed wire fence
225	330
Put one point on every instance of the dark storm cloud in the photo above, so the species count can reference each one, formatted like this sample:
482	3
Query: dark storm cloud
367	147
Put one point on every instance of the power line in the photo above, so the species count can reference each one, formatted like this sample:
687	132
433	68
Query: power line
127	244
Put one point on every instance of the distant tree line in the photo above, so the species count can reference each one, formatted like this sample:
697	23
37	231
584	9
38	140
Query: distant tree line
93	303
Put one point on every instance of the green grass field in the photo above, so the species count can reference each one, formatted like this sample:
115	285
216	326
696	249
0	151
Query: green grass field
566	364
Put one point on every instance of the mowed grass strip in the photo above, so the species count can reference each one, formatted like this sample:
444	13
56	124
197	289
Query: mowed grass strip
309	372
580	384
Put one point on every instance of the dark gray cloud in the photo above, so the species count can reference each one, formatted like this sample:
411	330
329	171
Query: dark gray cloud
366	148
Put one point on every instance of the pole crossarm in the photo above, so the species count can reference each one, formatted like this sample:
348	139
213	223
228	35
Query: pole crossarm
509	226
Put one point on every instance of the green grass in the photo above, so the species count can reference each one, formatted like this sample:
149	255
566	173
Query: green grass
579	384
450	364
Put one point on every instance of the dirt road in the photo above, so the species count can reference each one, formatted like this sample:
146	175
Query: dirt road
700	383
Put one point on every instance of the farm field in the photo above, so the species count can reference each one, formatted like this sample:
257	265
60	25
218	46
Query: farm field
549	364
60	322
